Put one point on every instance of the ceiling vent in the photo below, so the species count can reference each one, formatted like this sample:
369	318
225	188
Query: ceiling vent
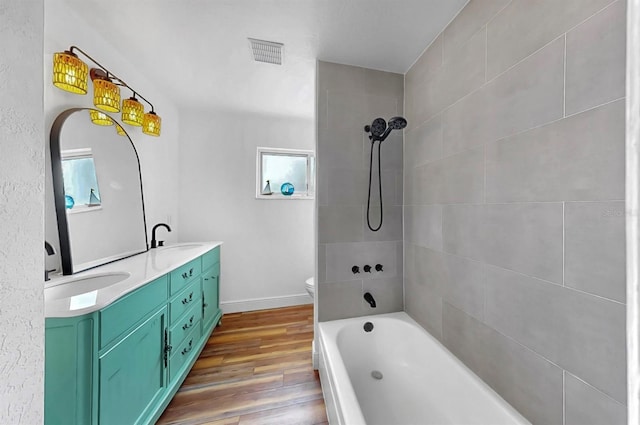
267	51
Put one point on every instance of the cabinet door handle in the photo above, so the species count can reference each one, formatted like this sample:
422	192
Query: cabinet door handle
188	300
191	271
187	348
206	278
188	324
185	275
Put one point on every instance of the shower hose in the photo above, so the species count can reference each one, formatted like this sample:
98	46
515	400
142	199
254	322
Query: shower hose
379	187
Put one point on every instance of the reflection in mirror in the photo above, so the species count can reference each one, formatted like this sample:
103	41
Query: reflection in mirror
97	191
80	181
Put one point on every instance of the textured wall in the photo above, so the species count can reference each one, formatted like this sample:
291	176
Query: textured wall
514	202
21	206
348	98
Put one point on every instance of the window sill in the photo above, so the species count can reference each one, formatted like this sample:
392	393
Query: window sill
275	197
83	209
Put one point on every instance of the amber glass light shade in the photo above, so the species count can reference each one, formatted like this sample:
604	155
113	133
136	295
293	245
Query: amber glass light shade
132	112
70	73
106	95
99	118
151	124
120	130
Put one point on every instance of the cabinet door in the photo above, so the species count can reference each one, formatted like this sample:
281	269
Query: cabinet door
210	288
70	370
133	374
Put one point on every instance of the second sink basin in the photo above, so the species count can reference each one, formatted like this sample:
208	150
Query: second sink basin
82	285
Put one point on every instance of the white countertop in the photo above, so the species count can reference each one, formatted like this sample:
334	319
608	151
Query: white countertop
141	268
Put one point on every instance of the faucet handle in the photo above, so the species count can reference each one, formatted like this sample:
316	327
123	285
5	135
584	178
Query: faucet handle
160	243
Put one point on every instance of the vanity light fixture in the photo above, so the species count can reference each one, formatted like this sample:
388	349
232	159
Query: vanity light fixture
71	74
151	124
106	95
132	111
100	118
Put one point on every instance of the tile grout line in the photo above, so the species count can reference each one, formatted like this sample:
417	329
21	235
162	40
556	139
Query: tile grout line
521	132
513	65
564	397
540	279
594	388
486	52
564	79
564	245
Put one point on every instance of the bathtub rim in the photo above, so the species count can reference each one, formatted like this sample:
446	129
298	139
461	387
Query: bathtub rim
331	366
345	393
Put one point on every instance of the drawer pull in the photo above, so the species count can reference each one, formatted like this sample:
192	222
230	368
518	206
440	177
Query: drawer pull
206	278
188	324
188	300
187	348
187	275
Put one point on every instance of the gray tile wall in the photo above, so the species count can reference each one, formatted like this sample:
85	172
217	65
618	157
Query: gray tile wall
348	99
514	202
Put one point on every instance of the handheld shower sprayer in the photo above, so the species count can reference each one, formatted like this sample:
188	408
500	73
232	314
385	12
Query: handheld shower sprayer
378	131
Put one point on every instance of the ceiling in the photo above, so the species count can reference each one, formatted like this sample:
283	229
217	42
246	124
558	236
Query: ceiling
197	50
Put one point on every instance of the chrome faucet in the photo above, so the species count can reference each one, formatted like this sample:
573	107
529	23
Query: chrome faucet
50	251
154	243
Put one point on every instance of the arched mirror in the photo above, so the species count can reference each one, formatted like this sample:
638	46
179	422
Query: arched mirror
97	190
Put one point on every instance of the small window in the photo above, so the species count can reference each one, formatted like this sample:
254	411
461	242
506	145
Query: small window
80	181
285	174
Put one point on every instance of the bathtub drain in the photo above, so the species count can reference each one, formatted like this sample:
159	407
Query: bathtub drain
376	374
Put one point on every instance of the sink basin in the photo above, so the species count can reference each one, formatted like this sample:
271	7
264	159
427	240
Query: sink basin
83	285
180	247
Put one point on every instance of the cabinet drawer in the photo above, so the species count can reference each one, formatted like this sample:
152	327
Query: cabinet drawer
127	311
210	258
185	274
185	324
184	352
186	299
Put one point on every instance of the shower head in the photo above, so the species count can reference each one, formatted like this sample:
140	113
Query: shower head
397	123
380	129
377	128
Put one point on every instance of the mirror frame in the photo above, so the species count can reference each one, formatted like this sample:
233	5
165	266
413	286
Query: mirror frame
58	194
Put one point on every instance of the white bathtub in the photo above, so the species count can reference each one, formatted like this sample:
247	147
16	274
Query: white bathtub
422	382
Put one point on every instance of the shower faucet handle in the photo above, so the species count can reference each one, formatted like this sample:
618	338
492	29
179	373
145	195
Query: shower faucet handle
355	269
379	267
367	268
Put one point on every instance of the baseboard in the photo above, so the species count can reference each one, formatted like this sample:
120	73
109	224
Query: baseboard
265	303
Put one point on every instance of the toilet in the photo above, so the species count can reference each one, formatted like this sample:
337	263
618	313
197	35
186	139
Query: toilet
310	286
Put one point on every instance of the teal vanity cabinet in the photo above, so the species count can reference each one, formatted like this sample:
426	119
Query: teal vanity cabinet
211	289
123	364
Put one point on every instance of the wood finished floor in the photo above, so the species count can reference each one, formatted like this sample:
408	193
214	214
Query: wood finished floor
255	370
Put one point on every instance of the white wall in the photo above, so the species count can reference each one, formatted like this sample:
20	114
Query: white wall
158	156
21	206
268	244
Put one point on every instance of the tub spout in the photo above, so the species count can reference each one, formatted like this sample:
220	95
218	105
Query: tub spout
369	298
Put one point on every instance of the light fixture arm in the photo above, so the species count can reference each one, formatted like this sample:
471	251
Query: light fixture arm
119	81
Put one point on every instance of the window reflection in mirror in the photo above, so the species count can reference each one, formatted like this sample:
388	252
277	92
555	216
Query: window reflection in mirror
81	189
